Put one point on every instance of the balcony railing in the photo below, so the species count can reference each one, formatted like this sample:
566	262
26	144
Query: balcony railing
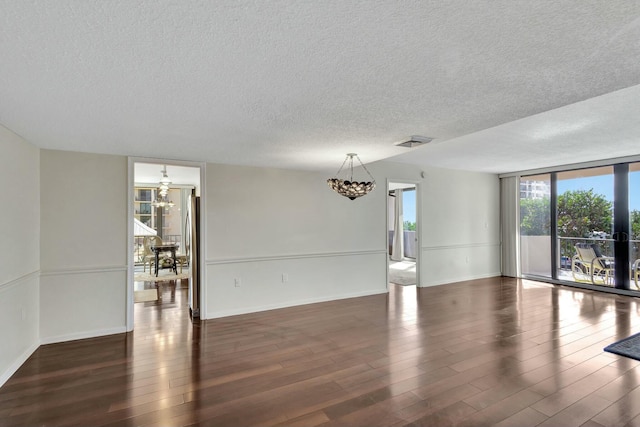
535	256
567	248
409	243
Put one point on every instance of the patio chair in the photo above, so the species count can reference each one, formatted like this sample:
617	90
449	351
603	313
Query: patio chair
590	262
635	273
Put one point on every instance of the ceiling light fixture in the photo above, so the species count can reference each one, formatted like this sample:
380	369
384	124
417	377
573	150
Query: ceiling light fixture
348	187
415	141
163	190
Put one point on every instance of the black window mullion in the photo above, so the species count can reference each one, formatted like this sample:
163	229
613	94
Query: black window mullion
553	219
621	224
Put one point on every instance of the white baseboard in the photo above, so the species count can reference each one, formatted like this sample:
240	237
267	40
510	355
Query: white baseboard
82	335
17	363
247	310
461	279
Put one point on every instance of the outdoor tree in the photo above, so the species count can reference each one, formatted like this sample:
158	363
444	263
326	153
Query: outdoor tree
535	217
409	226
582	212
634	219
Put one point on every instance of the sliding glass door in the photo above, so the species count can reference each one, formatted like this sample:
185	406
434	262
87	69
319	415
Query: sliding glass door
582	226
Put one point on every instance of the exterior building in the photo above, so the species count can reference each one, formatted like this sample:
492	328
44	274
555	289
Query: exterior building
534	189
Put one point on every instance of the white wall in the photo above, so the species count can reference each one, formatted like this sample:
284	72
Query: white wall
461	240
83	245
459	223
20	253
263	223
70	219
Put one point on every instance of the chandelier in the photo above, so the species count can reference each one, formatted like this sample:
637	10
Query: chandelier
348	187
163	190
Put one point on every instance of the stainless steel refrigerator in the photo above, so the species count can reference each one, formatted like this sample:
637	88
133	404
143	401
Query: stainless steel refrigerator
193	234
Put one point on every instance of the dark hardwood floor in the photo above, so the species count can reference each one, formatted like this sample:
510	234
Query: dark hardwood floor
496	351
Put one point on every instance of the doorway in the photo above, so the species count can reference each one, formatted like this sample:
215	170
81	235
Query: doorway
159	209
403	249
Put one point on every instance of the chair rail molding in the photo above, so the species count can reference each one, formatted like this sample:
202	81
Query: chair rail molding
295	256
84	270
18	280
461	246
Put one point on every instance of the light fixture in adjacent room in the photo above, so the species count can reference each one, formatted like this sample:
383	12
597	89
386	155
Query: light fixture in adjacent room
162	200
347	187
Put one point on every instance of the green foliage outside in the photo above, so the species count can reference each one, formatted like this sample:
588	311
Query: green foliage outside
634	219
409	226
581	212
534	217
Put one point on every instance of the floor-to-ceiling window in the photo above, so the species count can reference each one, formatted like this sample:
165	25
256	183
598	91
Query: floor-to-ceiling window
535	225
582	226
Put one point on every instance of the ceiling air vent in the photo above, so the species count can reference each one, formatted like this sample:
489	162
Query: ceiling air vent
415	141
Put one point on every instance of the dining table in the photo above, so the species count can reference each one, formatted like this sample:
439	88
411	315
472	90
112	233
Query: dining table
165	248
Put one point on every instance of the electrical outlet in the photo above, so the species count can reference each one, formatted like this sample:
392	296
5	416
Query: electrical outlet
285	277
236	282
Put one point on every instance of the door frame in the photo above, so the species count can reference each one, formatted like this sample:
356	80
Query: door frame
130	230
417	186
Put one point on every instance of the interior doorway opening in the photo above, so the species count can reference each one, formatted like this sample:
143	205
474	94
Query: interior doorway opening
161	257
403	231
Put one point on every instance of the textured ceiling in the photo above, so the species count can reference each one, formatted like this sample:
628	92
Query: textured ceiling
297	84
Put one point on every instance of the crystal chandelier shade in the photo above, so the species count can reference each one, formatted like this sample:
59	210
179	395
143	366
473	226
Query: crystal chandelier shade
163	190
347	187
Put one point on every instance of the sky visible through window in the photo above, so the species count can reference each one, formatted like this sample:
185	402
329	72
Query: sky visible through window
409	206
604	185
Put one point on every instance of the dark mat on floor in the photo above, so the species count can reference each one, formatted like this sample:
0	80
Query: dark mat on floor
628	347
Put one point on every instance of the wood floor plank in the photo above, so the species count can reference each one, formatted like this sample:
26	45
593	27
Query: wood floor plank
621	411
527	417
573	393
495	351
578	413
424	408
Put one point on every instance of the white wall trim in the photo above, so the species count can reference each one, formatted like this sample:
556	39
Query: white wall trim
17	364
82	335
90	270
248	310
293	256
19	280
471	245
130	261
461	279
